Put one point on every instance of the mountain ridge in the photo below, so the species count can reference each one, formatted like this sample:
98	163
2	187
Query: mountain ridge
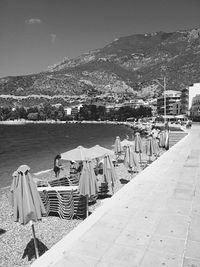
129	64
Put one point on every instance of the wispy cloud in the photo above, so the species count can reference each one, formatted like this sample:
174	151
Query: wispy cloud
33	21
53	37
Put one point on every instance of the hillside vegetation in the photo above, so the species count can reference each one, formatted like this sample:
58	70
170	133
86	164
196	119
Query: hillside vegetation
127	65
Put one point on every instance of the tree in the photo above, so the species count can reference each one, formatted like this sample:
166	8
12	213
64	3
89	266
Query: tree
6	113
61	113
33	116
22	113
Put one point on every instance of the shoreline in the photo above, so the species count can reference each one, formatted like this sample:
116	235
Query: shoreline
132	125
50	230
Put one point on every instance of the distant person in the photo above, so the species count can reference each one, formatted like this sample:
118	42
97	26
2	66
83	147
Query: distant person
188	124
166	126
57	165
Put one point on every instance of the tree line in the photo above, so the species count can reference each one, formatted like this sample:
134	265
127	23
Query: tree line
44	112
93	112
86	112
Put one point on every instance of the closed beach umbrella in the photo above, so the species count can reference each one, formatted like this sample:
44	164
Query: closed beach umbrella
79	153
26	201
109	173
138	144
149	147
88	182
117	146
166	140
155	146
98	151
131	160
162	139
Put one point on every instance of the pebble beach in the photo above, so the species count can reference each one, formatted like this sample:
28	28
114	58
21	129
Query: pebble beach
17	248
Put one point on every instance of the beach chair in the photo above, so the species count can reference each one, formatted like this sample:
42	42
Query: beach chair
61	203
74	179
45	200
80	206
58	200
60	182
103	189
67	204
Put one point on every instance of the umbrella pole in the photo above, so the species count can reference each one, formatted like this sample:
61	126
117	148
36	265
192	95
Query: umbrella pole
87	211
140	158
35	241
112	189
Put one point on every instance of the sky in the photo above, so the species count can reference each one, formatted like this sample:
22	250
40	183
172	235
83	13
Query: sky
35	34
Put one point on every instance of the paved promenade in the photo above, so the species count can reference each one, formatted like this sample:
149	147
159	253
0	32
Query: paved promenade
152	221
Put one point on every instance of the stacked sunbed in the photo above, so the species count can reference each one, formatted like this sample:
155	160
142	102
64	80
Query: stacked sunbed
64	201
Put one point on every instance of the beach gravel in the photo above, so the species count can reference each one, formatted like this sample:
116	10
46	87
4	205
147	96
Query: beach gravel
16	241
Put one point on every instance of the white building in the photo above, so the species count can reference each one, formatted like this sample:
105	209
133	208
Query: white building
194	90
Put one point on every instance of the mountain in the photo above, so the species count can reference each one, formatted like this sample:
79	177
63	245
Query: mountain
127	65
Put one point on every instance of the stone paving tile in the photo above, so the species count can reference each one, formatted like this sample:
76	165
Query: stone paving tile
115	264
102	233
93	249
188	262
178	206
193	249
188	174
114	220
186	186
183	193
156	259
173	226
194	229
127	211
122	255
196	208
167	244
132	238
144	221
76	260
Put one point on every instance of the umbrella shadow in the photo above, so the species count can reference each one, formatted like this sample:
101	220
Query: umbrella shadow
2	231
30	249
124	181
103	196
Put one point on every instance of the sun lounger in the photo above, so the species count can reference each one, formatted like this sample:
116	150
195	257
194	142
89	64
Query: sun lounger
74	179
60	182
103	189
64	201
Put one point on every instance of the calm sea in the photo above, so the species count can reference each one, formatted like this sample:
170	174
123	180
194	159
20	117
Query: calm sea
37	144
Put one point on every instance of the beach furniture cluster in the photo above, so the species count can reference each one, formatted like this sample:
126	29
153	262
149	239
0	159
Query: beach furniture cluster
69	196
64	201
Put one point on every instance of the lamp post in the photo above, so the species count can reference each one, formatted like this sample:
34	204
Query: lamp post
164	95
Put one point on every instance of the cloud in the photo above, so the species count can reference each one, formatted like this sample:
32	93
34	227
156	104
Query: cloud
33	21
53	37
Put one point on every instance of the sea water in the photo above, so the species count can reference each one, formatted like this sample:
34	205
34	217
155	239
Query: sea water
37	144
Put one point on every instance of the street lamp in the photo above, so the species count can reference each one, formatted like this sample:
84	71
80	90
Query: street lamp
164	93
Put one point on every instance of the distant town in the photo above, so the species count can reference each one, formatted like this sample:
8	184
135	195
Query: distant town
171	105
